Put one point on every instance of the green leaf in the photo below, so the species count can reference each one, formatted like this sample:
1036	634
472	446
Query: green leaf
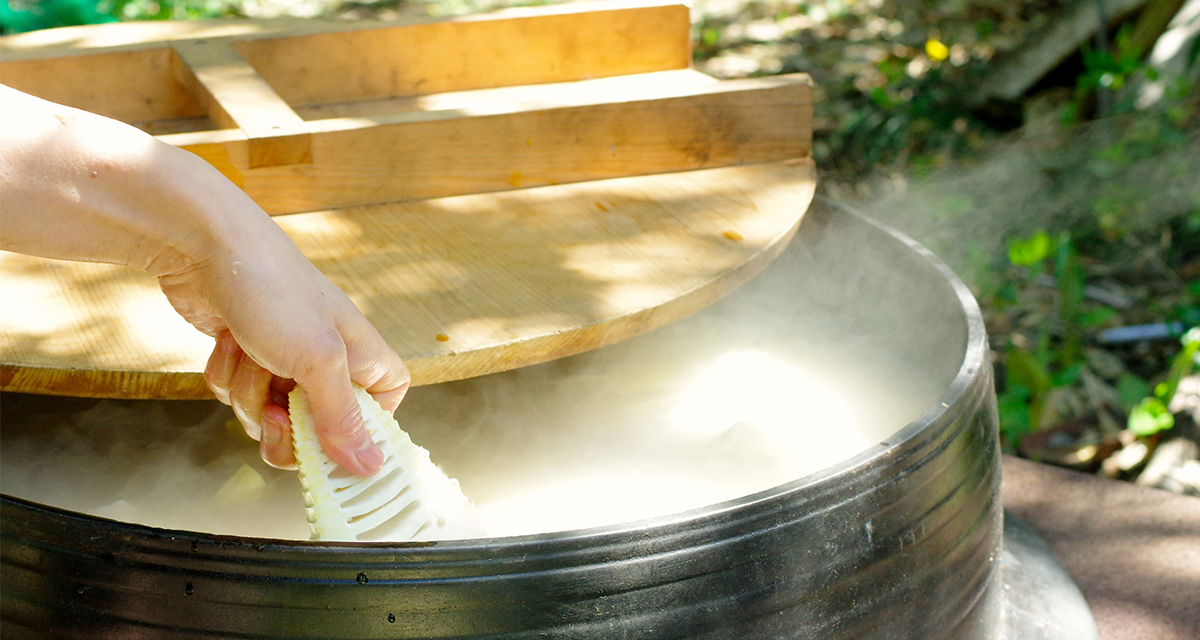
1013	409
1030	251
1181	366
1071	283
1149	417
1068	376
1007	293
1097	317
1193	54
1132	389
1024	370
1070	114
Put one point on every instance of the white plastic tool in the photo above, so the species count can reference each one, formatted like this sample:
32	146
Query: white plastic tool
410	498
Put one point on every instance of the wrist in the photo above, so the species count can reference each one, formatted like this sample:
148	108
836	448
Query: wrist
207	220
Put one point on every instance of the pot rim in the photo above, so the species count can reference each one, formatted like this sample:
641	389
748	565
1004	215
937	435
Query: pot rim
750	510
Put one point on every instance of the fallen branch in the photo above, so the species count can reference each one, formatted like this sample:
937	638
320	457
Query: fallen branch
1011	77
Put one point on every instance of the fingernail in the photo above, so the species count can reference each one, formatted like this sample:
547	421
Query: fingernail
369	456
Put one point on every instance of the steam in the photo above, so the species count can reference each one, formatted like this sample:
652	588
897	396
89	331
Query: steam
840	343
181	465
1130	173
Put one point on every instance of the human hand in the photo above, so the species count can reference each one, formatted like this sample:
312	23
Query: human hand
79	186
278	322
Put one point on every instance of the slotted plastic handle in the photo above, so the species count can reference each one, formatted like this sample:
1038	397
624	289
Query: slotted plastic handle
410	498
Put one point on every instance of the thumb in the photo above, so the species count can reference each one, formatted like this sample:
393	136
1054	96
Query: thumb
338	419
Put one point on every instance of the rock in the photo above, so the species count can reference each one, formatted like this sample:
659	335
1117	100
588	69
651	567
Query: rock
1126	459
1175	466
1071	444
1187	398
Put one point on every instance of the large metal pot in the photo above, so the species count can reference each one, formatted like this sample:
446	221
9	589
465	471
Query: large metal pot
900	541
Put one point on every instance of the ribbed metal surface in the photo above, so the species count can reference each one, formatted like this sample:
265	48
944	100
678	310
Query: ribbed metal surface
899	542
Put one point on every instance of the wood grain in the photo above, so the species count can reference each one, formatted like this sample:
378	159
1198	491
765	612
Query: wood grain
573	132
559	44
237	97
132	86
459	286
513	99
313	62
493	191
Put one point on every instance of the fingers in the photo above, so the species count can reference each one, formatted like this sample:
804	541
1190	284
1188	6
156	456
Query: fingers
336	413
276	443
280	388
389	397
249	393
258	399
377	368
222	364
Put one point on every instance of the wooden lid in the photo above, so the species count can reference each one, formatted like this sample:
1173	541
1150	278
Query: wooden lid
562	183
459	286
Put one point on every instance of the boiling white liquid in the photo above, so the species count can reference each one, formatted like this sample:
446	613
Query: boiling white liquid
601	451
551	448
759	390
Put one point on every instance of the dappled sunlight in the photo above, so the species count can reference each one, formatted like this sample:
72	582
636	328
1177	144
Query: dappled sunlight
71	316
514	278
458	286
503	329
326	235
501	100
421	277
42	308
786	377
635	282
553	254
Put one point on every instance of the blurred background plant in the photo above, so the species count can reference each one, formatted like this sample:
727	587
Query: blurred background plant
29	15
1048	150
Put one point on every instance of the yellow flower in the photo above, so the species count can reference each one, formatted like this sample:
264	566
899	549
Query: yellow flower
936	50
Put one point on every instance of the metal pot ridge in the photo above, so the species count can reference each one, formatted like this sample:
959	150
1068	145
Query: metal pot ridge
900	541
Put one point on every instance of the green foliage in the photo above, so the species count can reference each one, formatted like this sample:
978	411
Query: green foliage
1149	417
1110	70
1031	251
1152	413
1131	389
894	82
911	117
18	16
170	9
1188	309
1053	358
1043	354
1070	280
1118	223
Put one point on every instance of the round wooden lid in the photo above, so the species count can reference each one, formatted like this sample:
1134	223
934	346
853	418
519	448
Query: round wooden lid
460	286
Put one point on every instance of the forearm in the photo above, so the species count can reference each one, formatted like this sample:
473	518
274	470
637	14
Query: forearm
83	187
79	186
